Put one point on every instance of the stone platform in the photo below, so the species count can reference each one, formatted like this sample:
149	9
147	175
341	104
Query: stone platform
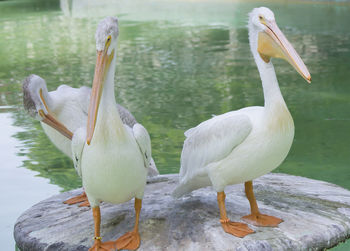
316	216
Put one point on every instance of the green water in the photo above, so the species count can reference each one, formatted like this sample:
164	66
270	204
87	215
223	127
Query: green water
178	63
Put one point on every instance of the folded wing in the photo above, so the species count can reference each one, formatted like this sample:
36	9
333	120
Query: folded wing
144	141
209	142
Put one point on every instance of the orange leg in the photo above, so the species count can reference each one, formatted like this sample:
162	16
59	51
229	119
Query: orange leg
256	218
82	199
235	228
98	244
131	240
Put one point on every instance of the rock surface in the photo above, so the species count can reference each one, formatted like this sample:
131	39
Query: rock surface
316	216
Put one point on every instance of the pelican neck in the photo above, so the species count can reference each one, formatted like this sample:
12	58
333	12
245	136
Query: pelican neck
108	117
108	96
272	92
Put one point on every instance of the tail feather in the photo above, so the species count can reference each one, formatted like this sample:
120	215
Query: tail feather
191	185
181	190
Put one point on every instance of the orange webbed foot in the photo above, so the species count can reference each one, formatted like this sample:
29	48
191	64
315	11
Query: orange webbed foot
84	204
82	198
129	241
262	220
237	229
103	246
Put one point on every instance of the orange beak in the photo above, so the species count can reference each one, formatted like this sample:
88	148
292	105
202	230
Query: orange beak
51	121
102	65
273	43
54	123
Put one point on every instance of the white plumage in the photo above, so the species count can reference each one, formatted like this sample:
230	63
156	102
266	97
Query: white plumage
241	145
113	157
112	163
70	107
140	135
233	148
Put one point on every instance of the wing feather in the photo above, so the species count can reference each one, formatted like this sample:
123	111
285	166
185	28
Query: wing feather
209	142
78	143
144	141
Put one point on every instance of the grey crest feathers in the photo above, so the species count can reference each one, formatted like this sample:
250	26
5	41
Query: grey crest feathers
108	26
28	103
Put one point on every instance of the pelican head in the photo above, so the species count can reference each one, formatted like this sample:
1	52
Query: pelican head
34	90
267	41
37	101
106	44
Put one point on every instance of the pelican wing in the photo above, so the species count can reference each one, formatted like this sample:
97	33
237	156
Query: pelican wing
144	141
73	98
126	116
78	143
82	97
209	142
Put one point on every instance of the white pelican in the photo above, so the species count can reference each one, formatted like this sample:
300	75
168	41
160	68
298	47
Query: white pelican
112	157
242	145
62	112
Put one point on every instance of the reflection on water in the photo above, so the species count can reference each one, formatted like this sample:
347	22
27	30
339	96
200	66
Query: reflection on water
173	74
178	63
19	188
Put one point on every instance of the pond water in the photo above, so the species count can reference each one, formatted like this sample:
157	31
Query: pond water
178	63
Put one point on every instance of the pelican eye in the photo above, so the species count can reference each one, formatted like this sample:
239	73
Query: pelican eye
108	41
